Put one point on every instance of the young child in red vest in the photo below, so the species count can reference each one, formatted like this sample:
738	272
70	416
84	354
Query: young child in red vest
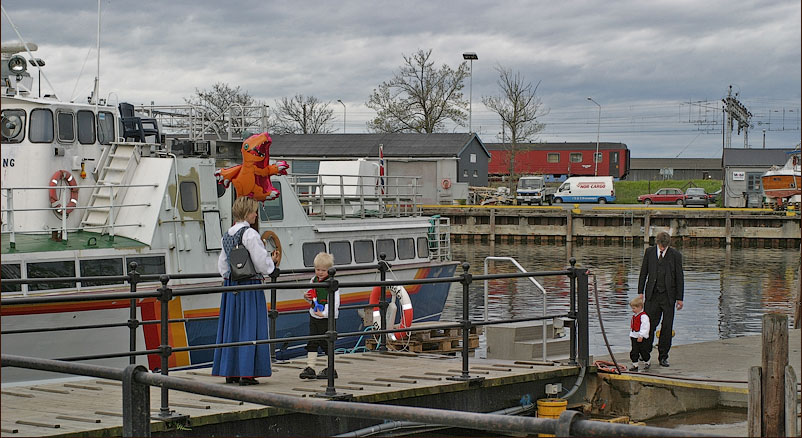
639	336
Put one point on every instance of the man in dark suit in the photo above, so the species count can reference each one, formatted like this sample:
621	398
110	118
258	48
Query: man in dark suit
662	280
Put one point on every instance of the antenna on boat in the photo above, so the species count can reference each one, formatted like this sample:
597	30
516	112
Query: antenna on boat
28	49
96	91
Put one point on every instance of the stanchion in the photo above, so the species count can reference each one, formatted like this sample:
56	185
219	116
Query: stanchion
467	278
331	392
165	350
133	323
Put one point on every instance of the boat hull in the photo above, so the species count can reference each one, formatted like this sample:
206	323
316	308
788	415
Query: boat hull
428	301
781	185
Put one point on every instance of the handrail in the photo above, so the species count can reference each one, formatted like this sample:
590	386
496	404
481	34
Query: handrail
532	279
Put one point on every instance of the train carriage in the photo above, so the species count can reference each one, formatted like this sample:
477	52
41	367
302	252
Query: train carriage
560	160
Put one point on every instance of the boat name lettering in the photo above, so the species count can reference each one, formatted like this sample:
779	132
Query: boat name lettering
8	162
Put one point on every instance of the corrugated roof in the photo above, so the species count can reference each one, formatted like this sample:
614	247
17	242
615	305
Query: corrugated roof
554	146
367	145
755	157
675	163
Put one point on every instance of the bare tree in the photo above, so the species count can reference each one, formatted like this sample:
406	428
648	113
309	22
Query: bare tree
519	108
303	115
228	110
419	98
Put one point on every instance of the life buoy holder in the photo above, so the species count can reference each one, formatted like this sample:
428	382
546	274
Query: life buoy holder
271	238
445	183
402	295
55	199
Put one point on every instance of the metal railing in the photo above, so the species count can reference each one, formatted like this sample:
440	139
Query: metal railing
537	286
10	210
197	123
136	379
342	196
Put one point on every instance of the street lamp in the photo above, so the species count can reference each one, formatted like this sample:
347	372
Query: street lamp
598	126
470	56
338	100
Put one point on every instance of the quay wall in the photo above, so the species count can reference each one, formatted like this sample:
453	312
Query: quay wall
703	227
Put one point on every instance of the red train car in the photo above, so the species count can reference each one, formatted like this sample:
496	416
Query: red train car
560	159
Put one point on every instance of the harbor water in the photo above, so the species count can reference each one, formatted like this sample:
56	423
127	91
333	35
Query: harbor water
726	290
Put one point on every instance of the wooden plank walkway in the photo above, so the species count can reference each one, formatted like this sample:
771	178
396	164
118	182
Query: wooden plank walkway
94	407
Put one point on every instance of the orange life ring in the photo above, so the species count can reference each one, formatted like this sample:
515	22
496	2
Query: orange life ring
406	309
272	238
446	183
55	200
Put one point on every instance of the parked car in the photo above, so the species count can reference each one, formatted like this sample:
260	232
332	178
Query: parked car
696	196
666	195
715	196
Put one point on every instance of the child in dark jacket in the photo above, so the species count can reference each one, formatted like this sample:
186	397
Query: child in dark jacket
319	306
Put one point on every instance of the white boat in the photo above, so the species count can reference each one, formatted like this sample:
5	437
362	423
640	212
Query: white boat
86	192
784	182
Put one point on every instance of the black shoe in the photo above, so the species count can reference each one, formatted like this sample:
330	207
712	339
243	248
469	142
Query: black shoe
646	367
232	379
664	363
245	381
308	373
325	374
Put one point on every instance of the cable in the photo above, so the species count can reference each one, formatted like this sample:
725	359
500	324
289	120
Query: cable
601	325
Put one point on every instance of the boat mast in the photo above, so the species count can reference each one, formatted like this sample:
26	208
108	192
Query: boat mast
97	76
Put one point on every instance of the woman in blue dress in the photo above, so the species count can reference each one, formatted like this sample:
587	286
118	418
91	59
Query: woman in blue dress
243	314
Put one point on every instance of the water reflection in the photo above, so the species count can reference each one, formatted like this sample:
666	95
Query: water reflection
726	290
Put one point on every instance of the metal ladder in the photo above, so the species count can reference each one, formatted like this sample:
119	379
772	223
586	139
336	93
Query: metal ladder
115	174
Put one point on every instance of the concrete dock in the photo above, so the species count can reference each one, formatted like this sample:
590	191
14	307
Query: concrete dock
704	375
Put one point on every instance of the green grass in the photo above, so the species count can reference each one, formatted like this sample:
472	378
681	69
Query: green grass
627	192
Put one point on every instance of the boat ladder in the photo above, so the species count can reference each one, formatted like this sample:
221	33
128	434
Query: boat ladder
114	174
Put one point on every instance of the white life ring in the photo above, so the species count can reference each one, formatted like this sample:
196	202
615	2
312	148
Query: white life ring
69	183
402	295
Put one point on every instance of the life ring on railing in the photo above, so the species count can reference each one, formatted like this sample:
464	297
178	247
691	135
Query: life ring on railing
445	183
271	238
406	310
69	181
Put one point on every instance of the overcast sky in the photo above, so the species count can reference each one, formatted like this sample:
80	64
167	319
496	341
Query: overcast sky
659	69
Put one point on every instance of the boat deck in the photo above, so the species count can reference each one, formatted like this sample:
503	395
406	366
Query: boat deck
94	407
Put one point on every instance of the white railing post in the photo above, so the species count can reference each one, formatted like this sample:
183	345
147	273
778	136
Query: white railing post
111	212
362	196
10	216
342	198
65	199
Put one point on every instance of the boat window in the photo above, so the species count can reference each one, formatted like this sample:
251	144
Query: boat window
101	267
341	252
7	272
147	265
13	126
576	157
273	209
41	126
105	127
553	157
66	127
406	248
386	246
423	247
310	250
86	127
363	251
62	268
189	196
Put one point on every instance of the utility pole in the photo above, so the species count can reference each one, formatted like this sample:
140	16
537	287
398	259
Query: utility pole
737	111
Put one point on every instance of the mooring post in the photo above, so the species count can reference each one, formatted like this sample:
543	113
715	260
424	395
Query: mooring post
492	225
583	340
133	323
754	403
727	228
136	403
774	361
569	226
383	268
273	313
647	223
791	414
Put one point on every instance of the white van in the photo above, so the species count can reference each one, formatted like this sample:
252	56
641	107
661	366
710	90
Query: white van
586	189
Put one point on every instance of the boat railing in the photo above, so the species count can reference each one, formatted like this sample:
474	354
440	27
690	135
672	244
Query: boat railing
11	211
537	285
577	315
358	196
197	123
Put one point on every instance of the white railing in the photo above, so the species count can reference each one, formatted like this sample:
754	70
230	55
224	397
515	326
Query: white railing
197	123
343	196
439	236
10	210
537	285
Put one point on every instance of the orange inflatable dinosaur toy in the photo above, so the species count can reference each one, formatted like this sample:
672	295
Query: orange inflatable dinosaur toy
252	177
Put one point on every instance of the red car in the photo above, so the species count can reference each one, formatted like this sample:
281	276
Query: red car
666	195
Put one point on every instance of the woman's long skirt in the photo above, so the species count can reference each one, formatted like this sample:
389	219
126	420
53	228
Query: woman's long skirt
243	317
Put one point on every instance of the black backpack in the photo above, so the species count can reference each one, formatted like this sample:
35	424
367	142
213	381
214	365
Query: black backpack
239	259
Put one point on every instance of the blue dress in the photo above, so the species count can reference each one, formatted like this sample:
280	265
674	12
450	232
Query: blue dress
243	317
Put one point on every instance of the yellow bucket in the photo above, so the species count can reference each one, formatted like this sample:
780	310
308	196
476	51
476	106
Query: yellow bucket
550	408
